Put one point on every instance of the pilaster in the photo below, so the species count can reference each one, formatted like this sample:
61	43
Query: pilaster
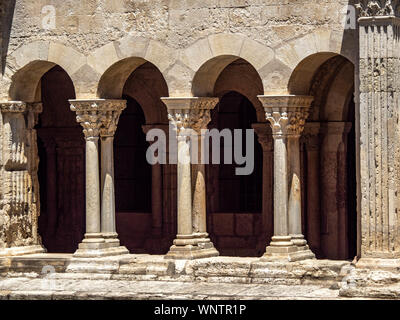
379	66
19	190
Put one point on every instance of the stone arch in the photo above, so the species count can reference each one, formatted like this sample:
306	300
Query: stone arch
329	78
241	77
33	60
336	107
303	56
117	60
207	57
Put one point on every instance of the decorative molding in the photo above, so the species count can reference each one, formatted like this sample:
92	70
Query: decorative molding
374	8
189	113
98	117
287	114
13	106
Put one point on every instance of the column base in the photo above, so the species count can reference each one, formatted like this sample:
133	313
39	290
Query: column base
189	247
302	246
23	250
282	248
96	246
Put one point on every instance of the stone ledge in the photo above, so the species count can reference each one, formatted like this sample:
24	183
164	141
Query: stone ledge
151	267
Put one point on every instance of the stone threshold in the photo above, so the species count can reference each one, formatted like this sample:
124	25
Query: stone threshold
333	279
143	267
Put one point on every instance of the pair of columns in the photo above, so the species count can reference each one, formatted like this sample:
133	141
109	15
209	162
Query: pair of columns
188	116
287	115
99	119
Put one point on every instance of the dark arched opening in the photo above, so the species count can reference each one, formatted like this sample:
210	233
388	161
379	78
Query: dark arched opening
235	201
61	149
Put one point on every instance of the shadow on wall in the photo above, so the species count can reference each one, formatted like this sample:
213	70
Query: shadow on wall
6	17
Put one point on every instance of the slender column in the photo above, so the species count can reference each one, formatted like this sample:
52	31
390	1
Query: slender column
19	207
94	115
285	114
264	135
294	130
156	189
313	222
184	115
201	118
112	110
51	184
333	204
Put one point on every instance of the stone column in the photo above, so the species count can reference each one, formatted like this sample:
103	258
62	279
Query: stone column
311	133
156	187
186	115
19	189
294	131
333	187
112	110
264	135
379	65
284	114
94	115
51	183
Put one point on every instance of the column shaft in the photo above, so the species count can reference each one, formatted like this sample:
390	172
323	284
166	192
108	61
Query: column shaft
281	224
295	190
92	189
108	228
184	189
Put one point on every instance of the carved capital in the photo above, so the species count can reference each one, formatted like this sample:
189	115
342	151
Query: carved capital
189	113
13	107
98	117
110	117
375	8
286	114
264	135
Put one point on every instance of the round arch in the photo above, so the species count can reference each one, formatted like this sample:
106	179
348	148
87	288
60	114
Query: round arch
33	60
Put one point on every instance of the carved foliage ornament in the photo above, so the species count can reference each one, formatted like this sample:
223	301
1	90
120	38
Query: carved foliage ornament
287	114
372	8
189	113
98	116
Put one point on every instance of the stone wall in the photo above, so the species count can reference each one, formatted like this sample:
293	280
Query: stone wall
176	36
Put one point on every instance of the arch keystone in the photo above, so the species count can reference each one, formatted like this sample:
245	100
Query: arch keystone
256	54
225	44
160	55
68	58
103	58
197	54
131	47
